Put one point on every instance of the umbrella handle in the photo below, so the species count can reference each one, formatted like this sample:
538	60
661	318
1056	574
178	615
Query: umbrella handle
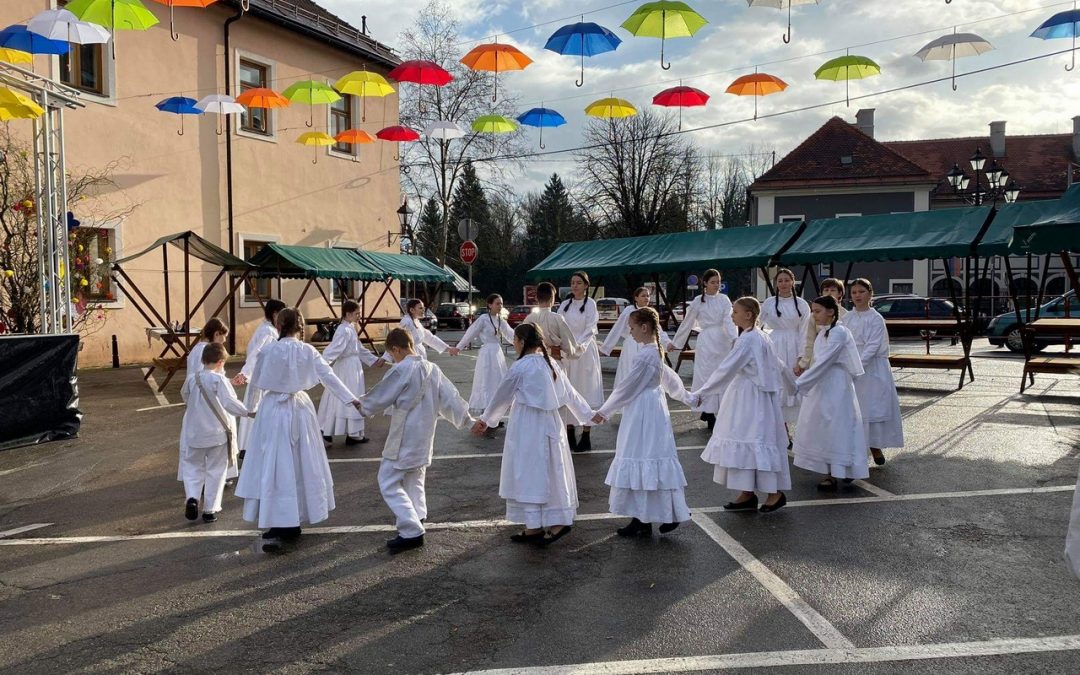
181	131
542	146
172	23
311	122
787	36
581	82
663	39
1073	64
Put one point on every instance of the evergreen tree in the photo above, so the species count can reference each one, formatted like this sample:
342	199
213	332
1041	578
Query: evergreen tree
428	232
552	220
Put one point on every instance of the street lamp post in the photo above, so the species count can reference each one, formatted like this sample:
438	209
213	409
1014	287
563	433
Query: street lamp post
406	242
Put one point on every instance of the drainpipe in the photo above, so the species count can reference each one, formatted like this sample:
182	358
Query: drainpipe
229	169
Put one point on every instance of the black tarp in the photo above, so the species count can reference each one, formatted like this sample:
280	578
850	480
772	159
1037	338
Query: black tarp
39	389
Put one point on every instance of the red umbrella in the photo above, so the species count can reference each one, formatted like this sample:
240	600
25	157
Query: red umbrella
397	134
421	72
681	97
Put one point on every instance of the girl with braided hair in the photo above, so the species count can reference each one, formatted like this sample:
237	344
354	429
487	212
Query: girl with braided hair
646	478
581	315
491	330
786	315
537	479
620	332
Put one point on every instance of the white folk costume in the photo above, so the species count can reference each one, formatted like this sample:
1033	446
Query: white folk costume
584	372
556	333
264	336
830	437
749	442
537	479
208	436
807	359
787	318
711	315
646	478
417	394
876	389
422	339
194	360
621	332
490	362
286	479
194	367
348	358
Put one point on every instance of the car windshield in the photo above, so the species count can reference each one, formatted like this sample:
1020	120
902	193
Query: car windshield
522	309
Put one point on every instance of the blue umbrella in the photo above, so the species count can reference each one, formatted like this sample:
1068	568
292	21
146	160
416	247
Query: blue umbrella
582	39
540	118
21	38
179	105
1061	25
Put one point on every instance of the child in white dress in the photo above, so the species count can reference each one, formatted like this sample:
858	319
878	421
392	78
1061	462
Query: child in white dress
582	316
749	444
422	337
492	331
787	316
620	332
835	289
876	389
348	358
830	437
646	479
537	479
214	330
264	336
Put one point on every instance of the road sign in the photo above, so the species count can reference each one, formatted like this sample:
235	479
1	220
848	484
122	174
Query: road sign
467	229
691	280
468	252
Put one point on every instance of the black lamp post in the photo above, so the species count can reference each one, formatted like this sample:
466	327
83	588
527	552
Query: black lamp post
996	177
405	235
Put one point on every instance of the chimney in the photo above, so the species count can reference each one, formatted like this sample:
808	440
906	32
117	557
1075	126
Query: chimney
1076	138
864	121
363	25
997	139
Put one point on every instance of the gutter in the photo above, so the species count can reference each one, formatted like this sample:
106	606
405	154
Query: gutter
229	170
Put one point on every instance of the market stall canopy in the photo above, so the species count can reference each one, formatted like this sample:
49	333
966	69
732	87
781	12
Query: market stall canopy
1046	238
729	248
312	262
945	233
999	234
1059	213
405	267
198	247
461	284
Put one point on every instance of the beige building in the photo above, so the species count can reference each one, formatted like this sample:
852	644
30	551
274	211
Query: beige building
167	183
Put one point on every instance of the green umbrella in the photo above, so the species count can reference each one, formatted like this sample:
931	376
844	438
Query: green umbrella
494	124
114	14
312	93
664	19
847	68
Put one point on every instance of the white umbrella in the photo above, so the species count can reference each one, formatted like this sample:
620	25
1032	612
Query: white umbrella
782	4
444	129
60	24
220	104
952	47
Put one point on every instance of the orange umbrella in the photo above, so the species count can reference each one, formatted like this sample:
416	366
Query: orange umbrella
758	84
260	97
495	57
173	4
354	137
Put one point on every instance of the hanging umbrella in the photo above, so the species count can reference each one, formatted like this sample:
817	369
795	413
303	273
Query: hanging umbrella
444	130
354	137
681	97
220	104
18	37
582	39
422	73
313	93
179	105
173	4
1061	25
664	19
364	84
114	14
60	24
494	124
14	105
495	57
781	4
952	47
15	56
540	118
263	98
847	68
316	139
397	134
756	85
610	108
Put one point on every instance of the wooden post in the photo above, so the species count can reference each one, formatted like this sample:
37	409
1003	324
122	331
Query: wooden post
187	294
165	271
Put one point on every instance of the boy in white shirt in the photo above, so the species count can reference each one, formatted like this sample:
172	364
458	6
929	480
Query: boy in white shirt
418	394
209	434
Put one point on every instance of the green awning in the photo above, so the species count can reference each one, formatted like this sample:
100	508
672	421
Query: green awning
1046	238
199	248
945	233
1000	233
405	267
725	249
312	262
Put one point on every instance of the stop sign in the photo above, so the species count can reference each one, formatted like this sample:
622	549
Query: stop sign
468	252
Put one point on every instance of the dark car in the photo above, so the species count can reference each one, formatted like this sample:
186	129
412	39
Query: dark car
457	314
913	307
518	314
1004	331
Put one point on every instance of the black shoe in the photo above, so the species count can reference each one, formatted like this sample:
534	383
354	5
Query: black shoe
272	533
765	508
288	533
400	543
523	538
668	527
231	483
704	417
748	505
828	485
349	440
191	509
209	517
879	458
585	444
552	538
329	440
712	422
241	455
571	437
635	528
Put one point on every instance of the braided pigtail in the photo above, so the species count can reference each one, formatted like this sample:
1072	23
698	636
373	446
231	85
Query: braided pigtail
532	339
777	298
832	325
708	274
547	358
790	275
830	305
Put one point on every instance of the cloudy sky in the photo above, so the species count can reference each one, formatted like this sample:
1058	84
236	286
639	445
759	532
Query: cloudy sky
1035	97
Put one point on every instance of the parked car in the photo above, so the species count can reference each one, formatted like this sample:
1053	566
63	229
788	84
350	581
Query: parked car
458	314
611	308
1003	330
913	307
504	314
428	321
518	314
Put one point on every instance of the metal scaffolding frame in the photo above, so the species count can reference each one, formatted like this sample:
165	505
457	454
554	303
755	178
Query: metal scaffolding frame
50	193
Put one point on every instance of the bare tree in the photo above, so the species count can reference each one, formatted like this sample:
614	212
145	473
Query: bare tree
724	182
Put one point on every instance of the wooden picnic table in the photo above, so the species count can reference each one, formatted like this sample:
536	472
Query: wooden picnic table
1064	364
924	328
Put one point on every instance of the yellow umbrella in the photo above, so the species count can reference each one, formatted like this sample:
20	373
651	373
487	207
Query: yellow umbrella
15	56
363	84
315	139
14	105
610	108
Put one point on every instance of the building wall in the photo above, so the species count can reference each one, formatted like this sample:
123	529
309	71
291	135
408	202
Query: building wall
173	183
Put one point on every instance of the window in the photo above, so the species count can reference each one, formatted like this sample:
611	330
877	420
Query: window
84	68
902	287
261	286
341	119
91	280
790	219
253	75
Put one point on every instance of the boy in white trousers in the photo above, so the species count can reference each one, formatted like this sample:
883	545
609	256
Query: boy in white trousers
417	393
209	434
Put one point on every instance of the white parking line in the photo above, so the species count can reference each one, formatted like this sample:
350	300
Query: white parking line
154	388
873	489
162	407
807	615
485	455
24	528
806	657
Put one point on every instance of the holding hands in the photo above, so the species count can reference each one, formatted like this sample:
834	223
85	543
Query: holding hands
453	351
239	380
597	418
479	428
798	371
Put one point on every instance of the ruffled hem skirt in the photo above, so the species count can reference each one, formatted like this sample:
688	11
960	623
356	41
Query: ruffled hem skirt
650	506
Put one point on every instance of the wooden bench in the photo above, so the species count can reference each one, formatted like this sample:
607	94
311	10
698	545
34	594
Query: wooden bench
684	355
170	366
925	328
933	362
1066	364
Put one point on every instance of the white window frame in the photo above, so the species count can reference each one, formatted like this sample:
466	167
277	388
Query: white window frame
330	151
847	215
893	282
108	71
243	238
791	218
271	113
117	226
